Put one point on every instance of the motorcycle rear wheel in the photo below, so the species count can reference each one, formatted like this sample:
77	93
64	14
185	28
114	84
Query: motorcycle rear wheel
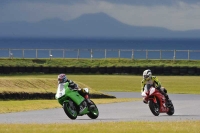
154	107
70	110
94	112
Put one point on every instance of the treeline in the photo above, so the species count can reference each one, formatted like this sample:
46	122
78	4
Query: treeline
132	70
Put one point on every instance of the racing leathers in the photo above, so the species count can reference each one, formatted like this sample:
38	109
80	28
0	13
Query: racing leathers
72	85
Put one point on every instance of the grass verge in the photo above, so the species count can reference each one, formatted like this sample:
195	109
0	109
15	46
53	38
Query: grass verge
24	105
97	83
105	127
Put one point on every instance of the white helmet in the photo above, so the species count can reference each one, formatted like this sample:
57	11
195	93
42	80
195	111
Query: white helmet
147	74
86	90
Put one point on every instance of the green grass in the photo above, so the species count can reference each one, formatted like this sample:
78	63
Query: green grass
128	83
105	127
24	105
97	83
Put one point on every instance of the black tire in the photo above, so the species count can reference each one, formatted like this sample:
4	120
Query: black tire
171	109
70	110
94	112
154	107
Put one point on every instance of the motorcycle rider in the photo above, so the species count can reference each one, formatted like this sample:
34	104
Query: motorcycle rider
62	78
150	80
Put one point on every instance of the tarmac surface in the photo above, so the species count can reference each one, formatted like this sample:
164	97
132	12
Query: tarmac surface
187	107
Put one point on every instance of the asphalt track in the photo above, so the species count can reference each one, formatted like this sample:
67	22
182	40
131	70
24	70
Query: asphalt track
187	107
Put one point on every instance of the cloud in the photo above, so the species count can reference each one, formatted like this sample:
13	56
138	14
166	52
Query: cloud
151	2
171	14
128	2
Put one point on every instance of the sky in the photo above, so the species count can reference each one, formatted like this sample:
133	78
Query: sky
171	14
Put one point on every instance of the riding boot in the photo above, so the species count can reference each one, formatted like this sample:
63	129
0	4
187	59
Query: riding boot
87	99
90	104
168	101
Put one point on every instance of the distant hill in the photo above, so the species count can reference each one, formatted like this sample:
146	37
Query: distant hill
90	26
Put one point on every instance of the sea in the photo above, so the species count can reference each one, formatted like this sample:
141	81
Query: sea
150	48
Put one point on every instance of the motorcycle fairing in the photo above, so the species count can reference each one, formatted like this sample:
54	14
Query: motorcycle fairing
152	90
161	99
60	91
76	97
153	94
73	94
63	91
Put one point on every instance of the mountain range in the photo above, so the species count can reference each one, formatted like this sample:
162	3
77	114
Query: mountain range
98	25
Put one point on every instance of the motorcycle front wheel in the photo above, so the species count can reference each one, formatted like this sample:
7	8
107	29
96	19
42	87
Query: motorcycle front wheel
154	107
70	109
94	112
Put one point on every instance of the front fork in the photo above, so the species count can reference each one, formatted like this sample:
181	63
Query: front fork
155	101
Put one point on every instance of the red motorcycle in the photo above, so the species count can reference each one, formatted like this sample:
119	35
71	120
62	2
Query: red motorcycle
157	101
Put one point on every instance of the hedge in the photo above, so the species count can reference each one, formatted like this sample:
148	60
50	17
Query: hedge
32	96
134	70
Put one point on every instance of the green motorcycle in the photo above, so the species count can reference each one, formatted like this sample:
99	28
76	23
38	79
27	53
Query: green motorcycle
74	104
